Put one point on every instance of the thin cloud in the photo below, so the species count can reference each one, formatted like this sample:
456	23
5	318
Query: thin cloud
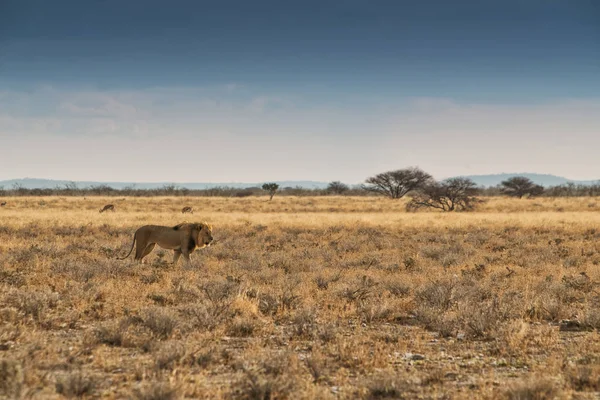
251	136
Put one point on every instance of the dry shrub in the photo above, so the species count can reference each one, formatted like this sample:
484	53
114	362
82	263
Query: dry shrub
591	318
322	282
445	324
268	304
241	327
160	321
215	309
257	386
79	272
74	384
481	321
9	332
373	311
11	378
273	378
533	389
289	299
151	278
304	323
551	302
203	358
584	378
397	288
198	317
436	295
156	391
387	386
111	334
32	304
182	291
220	294
121	333
12	278
169	355
447	306
512	337
132	331
446	254
361	290
317	365
410	263
327	332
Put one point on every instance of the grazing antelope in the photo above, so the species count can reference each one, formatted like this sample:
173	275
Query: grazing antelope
187	210
108	207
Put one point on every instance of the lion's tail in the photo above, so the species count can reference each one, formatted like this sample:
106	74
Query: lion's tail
130	250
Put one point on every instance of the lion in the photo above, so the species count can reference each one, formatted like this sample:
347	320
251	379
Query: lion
108	207
182	239
2	204
187	210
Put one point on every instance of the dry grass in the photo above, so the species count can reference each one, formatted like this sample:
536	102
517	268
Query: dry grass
302	298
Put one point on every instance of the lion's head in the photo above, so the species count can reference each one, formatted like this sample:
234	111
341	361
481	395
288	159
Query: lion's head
204	237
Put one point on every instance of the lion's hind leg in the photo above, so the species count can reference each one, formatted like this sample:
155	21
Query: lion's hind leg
140	252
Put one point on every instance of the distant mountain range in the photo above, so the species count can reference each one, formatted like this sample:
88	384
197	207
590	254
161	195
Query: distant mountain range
32	183
541	179
481	180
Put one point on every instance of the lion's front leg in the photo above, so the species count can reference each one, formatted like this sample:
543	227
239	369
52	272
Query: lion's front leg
186	256
176	255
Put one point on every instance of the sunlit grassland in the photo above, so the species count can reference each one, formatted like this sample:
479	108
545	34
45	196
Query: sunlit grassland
301	297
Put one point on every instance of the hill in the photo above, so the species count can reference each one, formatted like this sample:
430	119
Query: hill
481	180
32	183
541	179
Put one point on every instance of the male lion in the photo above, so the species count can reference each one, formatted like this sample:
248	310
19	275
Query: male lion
187	210
182	239
108	207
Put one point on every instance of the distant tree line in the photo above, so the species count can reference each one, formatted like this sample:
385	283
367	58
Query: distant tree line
173	190
565	190
454	194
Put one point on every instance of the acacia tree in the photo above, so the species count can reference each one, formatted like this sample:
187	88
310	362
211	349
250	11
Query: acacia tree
454	194
337	187
271	188
519	186
396	184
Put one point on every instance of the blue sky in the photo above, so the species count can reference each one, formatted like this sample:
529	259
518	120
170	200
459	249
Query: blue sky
321	90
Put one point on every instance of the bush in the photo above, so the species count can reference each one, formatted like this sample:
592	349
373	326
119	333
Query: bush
11	378
533	389
156	391
454	194
74	385
337	187
160	321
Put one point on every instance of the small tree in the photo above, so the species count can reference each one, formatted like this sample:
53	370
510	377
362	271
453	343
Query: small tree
519	186
71	187
271	188
454	194
337	187
396	184
169	188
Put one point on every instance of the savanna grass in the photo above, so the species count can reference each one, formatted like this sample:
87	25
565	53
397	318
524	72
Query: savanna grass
329	297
